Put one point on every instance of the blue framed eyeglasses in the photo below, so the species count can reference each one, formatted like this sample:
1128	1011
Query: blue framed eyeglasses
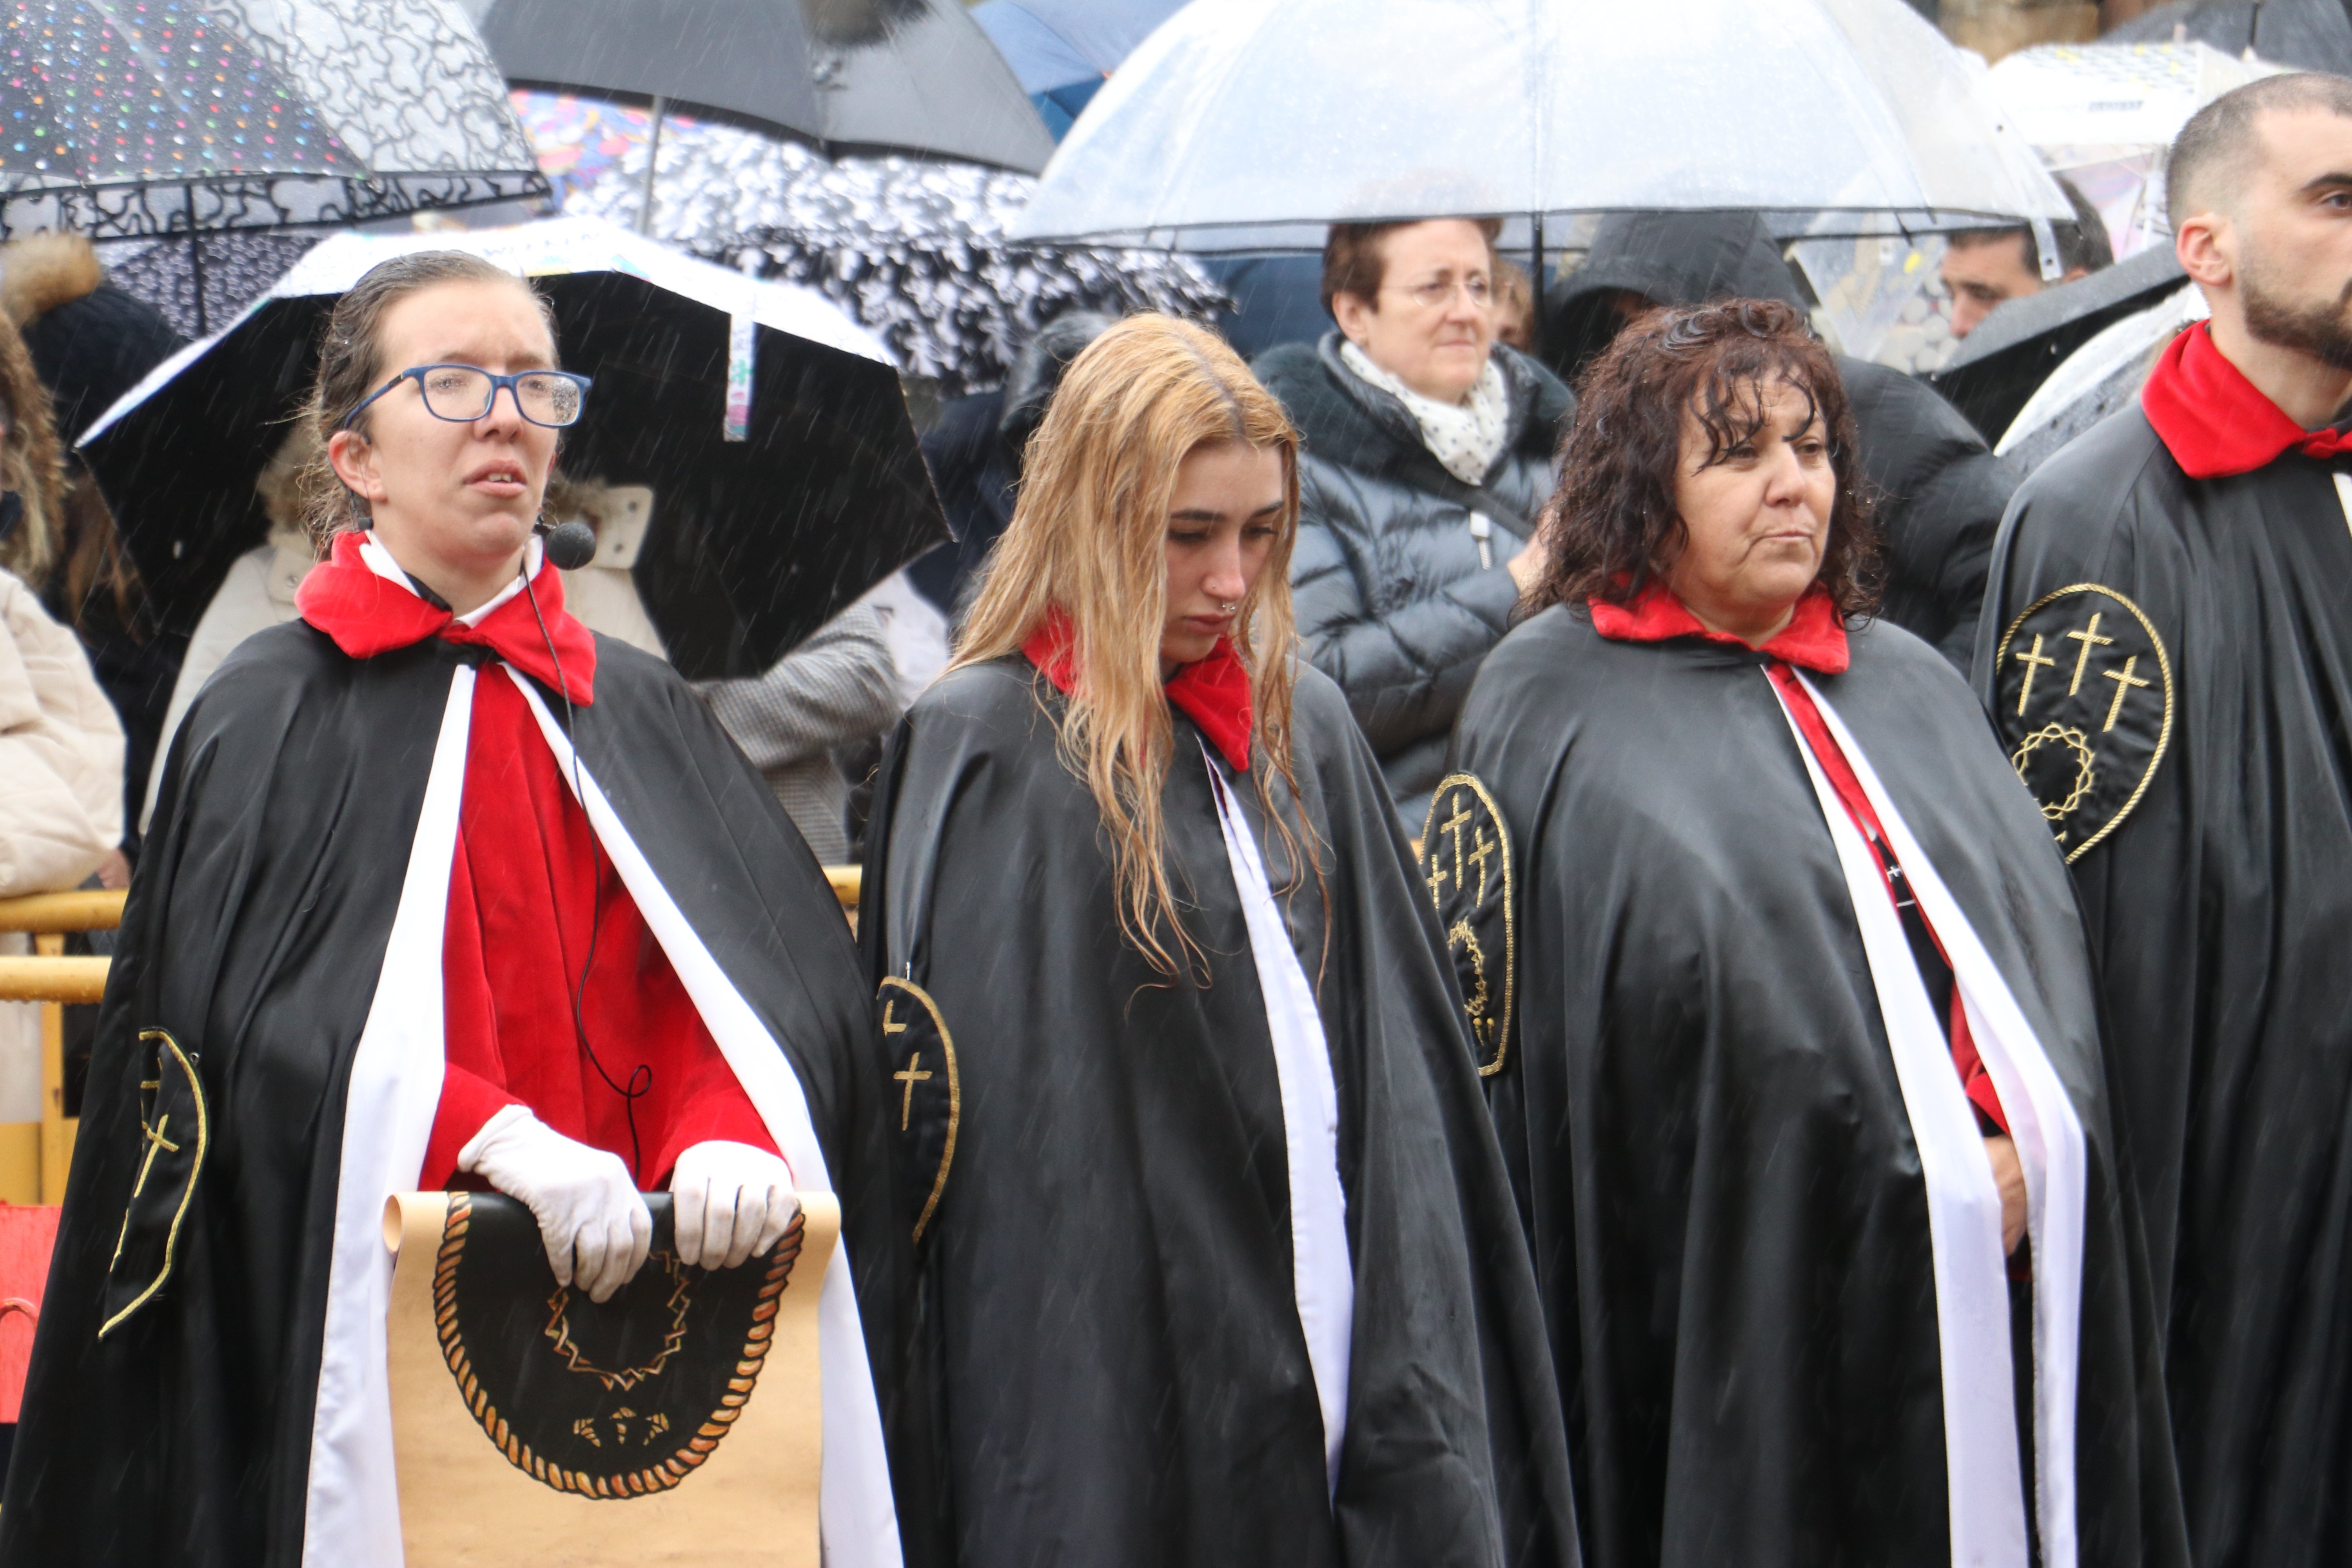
462	393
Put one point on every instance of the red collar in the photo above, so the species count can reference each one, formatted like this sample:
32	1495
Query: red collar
1213	692
1813	639
368	615
2214	421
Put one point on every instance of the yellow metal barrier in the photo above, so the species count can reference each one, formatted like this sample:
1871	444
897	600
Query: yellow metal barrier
52	912
53	978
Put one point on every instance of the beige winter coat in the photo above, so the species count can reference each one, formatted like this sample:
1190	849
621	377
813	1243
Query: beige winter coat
60	753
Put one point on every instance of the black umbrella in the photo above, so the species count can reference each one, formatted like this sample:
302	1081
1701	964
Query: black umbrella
903	75
2312	35
2001	365
754	543
129	119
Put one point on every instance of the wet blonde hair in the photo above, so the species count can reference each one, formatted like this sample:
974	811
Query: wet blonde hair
1089	535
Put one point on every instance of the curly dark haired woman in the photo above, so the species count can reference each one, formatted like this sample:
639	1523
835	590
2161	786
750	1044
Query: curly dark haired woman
1788	1017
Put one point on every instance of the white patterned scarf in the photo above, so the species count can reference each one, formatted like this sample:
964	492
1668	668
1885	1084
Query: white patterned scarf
1465	437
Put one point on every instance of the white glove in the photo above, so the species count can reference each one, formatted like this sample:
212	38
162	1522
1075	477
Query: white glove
596	1227
730	1202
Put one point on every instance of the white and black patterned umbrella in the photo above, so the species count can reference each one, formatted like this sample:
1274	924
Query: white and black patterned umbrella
914	249
130	119
202	281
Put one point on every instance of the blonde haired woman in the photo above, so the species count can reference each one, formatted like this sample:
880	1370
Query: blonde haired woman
1217	1250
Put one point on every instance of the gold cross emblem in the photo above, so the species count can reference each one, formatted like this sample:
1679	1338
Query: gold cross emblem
2089	638
1454	824
1436	877
910	1076
2033	663
155	1142
1479	856
2125	681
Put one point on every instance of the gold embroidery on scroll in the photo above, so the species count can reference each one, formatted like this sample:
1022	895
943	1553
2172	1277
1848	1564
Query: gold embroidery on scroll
623	1426
1466	861
2086	751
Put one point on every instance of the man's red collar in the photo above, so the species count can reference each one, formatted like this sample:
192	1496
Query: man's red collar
2214	421
367	615
1813	639
1213	692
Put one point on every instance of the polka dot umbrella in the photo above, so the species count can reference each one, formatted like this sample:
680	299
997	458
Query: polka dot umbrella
131	118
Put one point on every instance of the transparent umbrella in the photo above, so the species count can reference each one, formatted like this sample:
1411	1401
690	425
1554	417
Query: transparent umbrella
1250	124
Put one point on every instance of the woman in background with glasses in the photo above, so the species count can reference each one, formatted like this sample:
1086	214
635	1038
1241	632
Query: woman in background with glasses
1427	451
377	944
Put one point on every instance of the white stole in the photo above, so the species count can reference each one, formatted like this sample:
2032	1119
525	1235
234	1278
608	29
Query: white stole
1987	1498
1323	1278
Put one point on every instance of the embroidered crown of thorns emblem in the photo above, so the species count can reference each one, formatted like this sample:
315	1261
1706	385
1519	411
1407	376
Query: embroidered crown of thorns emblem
616	1400
2082	696
1465	864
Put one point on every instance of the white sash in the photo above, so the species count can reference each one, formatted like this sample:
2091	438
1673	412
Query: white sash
1986	1491
1323	1278
350	1511
2049	1138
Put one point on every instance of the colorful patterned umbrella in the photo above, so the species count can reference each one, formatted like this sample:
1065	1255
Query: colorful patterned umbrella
129	119
915	249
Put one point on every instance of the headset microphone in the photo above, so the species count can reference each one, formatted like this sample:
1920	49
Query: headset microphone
569	545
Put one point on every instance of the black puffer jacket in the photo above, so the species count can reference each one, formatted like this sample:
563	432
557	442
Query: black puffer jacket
1395	600
1940	490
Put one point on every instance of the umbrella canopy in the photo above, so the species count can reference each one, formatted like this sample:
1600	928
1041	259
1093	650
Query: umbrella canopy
2103	115
914	76
133	118
1250	124
755	541
2094	381
202	280
2308	35
1041	60
914	249
1102	33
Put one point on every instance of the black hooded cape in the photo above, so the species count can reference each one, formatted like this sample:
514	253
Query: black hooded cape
1697	1099
1940	491
256	928
2210	830
1107	1280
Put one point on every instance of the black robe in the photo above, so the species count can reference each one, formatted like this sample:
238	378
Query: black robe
256	928
1107	1274
1712	1149
2212	853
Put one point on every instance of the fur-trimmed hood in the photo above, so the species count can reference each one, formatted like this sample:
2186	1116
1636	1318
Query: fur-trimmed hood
92	341
31	464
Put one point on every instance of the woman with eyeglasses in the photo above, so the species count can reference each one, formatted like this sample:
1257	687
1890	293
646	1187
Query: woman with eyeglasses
1426	454
392	930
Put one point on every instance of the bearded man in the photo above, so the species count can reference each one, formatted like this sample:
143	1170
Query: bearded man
2167	650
